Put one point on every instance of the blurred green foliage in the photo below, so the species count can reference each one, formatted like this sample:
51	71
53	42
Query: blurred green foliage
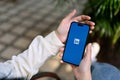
106	14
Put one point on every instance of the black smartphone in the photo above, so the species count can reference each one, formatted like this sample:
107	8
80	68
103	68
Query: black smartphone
75	43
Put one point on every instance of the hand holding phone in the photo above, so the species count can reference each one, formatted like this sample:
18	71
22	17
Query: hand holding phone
75	44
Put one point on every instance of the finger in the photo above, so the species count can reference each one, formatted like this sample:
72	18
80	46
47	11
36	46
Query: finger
92	27
90	31
73	66
60	55
82	18
61	61
62	49
87	55
71	15
91	23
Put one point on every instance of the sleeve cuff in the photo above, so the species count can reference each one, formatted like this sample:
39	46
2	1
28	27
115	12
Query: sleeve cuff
54	41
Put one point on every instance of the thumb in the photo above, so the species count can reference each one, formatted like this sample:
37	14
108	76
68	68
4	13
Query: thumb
87	55
70	15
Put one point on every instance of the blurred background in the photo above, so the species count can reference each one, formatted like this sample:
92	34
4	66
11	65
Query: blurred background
22	20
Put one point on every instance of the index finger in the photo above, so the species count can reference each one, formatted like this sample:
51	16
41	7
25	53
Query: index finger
82	18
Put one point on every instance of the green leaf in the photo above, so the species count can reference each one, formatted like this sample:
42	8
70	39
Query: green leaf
116	7
104	28
117	34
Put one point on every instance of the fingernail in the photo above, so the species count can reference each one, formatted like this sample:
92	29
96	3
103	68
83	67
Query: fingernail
93	23
89	17
90	44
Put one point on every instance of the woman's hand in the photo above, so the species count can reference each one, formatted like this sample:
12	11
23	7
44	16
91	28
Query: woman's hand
82	72
62	30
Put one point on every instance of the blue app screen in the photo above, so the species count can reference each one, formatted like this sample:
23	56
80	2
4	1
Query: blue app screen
75	44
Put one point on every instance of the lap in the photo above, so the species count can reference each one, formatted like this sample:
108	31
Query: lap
104	71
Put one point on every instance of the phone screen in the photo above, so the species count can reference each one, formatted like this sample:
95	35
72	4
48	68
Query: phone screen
75	44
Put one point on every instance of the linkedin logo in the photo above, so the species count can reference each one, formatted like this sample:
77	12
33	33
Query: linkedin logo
76	41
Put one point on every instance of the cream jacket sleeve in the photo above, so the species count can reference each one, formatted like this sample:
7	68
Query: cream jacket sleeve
28	63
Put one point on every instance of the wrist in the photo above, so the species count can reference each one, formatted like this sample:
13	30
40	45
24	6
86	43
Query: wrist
83	75
87	77
59	36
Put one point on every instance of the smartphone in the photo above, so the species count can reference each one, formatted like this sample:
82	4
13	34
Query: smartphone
75	43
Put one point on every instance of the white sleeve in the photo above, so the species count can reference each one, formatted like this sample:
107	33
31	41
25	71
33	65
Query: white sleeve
28	63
